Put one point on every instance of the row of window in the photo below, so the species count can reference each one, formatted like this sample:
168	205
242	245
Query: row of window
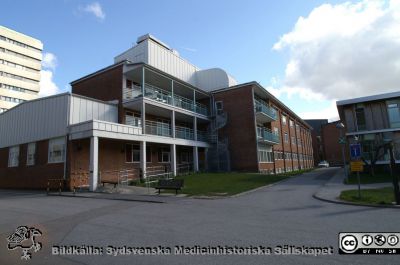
18	66
19	89
18	43
132	154
18	77
56	153
10	99
287	156
265	156
20	55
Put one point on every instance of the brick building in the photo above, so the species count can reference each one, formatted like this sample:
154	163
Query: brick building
150	113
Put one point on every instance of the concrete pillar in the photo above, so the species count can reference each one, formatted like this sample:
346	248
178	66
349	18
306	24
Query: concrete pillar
195	128
143	81
195	159
143	158
94	163
143	117
173	124
173	159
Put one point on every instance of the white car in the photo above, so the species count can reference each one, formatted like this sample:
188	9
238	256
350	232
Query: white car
323	164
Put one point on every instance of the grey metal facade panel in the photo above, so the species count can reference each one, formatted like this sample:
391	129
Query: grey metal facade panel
349	119
83	109
34	120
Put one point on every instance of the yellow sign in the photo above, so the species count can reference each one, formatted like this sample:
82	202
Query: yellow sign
356	166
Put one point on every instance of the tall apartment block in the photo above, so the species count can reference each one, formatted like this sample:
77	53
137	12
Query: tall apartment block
20	65
148	114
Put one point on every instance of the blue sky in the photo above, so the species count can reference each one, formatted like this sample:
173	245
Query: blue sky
237	36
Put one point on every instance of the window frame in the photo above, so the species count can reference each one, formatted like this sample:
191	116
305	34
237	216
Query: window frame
33	155
13	160
63	152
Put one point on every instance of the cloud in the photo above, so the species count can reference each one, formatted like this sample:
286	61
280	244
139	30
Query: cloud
329	113
343	51
47	85
49	61
95	9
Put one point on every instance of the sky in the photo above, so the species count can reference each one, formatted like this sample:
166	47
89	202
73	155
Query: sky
307	53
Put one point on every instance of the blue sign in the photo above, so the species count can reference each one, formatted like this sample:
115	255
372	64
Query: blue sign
355	151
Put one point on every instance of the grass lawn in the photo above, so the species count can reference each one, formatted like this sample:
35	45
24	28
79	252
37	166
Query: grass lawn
367	179
369	196
224	184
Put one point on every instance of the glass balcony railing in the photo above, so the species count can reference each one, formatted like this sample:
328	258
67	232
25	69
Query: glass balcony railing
158	128
267	110
161	95
184	133
265	134
202	136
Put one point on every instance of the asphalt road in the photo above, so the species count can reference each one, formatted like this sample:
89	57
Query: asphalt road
284	214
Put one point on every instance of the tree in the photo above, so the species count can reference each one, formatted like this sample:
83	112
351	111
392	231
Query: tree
373	150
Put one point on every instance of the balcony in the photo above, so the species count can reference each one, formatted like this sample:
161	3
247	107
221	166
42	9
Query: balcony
264	113
184	133
265	135
164	96
158	128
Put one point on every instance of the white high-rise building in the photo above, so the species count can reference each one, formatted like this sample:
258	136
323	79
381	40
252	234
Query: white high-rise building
20	65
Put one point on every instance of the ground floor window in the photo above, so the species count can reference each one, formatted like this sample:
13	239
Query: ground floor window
30	154
13	156
164	155
56	150
132	153
265	156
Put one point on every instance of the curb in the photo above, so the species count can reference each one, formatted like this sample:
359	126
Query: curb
244	192
315	196
115	199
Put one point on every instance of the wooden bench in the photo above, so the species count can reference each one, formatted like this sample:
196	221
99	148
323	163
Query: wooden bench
115	182
169	184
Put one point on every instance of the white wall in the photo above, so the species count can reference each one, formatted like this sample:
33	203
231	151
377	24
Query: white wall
47	118
84	109
34	120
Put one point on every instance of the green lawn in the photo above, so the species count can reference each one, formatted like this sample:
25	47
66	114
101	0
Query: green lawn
368	179
369	196
224	184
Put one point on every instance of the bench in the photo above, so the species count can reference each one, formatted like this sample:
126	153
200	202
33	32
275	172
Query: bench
114	182
169	184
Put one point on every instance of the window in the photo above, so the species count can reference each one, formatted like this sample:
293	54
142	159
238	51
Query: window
13	156
56	150
284	119
132	153
133	119
276	131
164	155
184	157
265	156
291	123
286	138
148	154
219	106
293	140
360	116
30	154
394	113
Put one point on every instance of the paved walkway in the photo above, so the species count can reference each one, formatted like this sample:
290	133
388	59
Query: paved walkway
332	188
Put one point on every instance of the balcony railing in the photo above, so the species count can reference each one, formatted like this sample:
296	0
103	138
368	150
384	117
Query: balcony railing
133	121
267	110
131	93
164	96
266	135
184	133
202	136
158	128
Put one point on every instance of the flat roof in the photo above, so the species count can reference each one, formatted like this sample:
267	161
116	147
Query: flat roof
368	98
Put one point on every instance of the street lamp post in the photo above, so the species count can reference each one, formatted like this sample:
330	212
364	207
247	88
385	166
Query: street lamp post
340	126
